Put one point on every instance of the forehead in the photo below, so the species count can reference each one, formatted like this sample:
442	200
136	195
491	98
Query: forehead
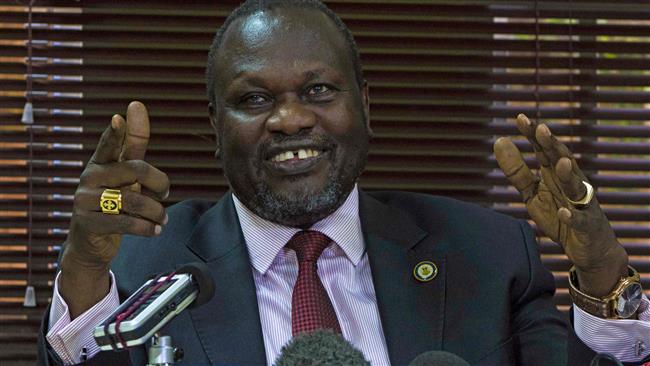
281	39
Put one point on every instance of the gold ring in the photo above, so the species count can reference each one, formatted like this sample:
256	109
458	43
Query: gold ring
111	201
586	199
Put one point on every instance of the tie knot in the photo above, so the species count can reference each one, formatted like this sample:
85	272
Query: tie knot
308	245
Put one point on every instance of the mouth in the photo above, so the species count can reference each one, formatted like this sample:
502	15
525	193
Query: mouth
300	154
292	161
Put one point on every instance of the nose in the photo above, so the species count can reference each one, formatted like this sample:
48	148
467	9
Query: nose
290	117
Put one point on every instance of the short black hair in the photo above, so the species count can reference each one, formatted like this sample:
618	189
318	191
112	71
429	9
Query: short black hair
253	6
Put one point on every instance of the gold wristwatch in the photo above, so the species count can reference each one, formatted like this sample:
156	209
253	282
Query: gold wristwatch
622	303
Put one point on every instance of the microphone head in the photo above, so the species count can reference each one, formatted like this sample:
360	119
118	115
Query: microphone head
320	348
203	278
438	358
605	359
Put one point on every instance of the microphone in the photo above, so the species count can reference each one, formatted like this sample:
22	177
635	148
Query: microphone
153	305
605	359
322	348
438	358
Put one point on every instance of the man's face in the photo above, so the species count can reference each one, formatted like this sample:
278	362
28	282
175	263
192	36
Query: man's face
291	120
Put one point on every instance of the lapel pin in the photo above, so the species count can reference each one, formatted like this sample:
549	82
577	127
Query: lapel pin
425	271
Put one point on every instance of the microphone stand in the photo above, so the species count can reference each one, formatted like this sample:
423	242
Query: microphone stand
162	353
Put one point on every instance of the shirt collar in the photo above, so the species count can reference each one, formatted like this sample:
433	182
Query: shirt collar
265	239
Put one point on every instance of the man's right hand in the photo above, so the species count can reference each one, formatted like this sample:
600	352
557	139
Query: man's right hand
94	237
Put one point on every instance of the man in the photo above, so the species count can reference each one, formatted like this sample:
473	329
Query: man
399	273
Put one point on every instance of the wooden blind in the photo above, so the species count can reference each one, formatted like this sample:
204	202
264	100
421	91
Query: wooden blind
446	77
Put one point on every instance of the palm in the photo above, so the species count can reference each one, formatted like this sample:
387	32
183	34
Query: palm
584	233
543	208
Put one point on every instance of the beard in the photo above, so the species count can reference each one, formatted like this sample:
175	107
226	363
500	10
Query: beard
305	205
302	208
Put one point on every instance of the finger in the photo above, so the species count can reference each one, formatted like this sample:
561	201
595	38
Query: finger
527	128
570	182
564	215
137	132
514	167
133	203
127	173
103	224
137	204
110	144
154	195
552	148
573	218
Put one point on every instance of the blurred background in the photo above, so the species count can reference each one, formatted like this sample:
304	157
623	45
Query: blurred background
446	77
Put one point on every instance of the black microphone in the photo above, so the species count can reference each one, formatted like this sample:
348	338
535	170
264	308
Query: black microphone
153	305
202	278
322	348
605	359
438	358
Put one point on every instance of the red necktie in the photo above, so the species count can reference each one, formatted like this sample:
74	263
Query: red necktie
311	308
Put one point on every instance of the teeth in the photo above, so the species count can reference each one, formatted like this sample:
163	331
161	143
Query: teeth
302	154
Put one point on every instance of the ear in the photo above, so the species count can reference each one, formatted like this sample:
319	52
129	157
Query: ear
365	95
213	122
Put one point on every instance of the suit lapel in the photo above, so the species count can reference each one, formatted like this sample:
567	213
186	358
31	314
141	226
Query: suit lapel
231	319
412	312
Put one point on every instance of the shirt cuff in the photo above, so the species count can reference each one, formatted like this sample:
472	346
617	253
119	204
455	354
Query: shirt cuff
626	339
68	337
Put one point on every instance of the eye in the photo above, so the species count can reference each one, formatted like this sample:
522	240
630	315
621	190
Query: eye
254	100
320	92
318	89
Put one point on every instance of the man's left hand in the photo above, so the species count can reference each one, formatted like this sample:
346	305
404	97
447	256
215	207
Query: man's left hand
583	232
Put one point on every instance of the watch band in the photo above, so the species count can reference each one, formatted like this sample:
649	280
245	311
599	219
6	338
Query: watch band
605	307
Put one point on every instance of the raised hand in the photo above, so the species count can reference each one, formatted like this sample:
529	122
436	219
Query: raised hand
583	231
94	236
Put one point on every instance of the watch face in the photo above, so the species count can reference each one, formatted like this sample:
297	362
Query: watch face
629	301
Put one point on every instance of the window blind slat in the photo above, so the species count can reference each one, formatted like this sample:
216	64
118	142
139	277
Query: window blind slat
446	78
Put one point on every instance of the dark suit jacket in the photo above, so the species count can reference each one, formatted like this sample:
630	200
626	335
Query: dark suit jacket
491	302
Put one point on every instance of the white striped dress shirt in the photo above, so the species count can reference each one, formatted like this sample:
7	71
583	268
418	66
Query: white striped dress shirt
345	272
626	339
68	338
343	268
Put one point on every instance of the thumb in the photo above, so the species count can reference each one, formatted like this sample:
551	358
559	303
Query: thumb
137	132
575	219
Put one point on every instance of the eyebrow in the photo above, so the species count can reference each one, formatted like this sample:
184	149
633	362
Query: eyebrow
314	74
243	76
